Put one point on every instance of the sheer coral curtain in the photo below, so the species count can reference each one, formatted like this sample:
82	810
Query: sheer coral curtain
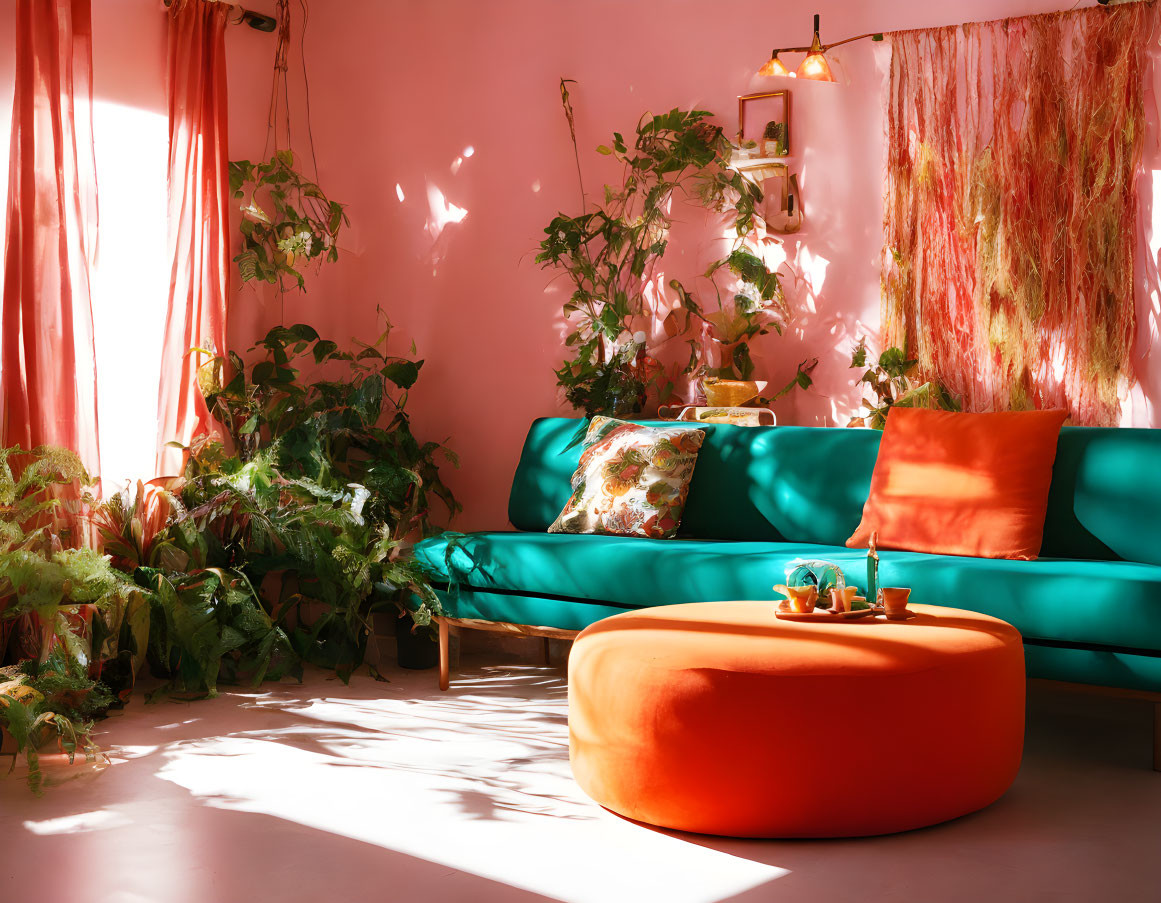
48	374
198	219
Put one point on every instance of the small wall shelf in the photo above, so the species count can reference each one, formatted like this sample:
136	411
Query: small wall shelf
766	171
752	162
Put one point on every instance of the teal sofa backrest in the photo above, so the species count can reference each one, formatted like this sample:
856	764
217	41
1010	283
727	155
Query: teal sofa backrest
1106	495
808	484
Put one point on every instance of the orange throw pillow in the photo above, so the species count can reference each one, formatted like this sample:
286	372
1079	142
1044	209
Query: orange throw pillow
962	484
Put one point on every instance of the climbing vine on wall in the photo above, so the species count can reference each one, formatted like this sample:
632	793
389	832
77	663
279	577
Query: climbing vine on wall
612	251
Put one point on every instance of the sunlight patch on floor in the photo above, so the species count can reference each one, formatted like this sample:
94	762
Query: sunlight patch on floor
74	824
477	780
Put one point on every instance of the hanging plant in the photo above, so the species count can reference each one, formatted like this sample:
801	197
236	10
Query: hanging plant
287	221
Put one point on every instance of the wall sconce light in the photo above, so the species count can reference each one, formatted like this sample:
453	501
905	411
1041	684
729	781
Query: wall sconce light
814	65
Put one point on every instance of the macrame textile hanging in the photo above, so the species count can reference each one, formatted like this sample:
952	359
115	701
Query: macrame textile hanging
1011	206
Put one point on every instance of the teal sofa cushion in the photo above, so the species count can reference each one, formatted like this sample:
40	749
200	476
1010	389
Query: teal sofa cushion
808	485
1103	603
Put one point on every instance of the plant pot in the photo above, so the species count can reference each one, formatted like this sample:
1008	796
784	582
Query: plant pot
730	393
417	650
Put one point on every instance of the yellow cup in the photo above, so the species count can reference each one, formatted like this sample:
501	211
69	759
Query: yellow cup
802	598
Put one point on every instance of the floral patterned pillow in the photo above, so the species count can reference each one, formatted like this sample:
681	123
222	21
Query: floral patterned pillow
631	481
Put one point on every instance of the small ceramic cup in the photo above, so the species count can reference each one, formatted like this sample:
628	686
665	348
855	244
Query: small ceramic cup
802	598
895	601
841	599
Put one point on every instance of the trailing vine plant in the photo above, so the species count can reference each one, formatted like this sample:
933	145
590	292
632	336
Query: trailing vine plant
890	377
610	253
287	221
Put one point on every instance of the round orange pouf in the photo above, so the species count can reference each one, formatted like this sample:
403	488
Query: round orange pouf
719	718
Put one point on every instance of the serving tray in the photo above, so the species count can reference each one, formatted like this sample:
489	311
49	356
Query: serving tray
824	615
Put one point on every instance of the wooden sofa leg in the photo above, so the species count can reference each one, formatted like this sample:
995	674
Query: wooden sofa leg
547	652
444	664
1157	736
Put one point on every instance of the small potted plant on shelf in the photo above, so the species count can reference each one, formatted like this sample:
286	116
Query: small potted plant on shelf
722	357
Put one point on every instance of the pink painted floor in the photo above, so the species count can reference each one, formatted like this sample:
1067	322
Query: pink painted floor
396	792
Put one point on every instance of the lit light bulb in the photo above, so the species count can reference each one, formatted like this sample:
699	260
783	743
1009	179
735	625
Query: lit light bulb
774	66
816	68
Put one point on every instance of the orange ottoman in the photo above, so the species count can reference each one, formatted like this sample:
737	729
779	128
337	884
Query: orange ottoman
719	718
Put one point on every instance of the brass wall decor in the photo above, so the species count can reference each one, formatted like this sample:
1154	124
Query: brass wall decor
780	115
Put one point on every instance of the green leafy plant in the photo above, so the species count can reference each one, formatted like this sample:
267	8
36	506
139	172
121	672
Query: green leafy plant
39	510
48	586
209	625
287	221
756	308
324	491
610	253
330	433
59	705
890	378
204	620
278	544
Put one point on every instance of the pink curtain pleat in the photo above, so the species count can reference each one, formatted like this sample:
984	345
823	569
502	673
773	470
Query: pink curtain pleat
199	220
48	374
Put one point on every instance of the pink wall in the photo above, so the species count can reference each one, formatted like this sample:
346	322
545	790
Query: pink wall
401	89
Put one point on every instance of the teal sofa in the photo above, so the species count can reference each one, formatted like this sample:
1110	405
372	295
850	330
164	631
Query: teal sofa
1089	609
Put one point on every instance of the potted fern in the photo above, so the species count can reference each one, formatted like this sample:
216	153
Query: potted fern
55	591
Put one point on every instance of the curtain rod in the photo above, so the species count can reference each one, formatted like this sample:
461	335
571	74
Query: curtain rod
257	21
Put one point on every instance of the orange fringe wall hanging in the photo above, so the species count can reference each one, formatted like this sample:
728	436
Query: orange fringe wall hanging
1011	206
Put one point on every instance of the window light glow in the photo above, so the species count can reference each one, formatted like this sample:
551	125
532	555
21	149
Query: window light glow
130	285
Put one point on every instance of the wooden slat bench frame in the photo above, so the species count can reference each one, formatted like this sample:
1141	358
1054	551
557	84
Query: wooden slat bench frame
547	633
